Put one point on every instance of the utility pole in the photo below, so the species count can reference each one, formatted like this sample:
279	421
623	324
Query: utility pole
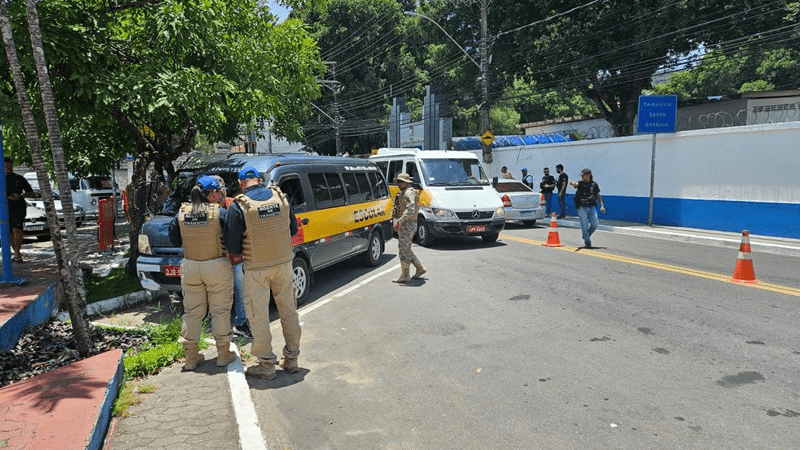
487	150
337	119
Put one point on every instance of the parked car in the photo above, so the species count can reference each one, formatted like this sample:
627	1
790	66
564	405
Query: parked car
36	223
36	200
520	202
80	213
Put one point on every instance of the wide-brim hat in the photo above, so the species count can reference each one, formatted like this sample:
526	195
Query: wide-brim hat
404	177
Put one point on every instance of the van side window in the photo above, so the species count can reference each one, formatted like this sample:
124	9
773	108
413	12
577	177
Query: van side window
395	168
411	170
353	183
383	165
320	188
327	188
336	189
294	192
363	186
378	184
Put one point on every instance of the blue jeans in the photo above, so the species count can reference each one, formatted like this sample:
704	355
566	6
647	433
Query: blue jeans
562	204
548	200
239	316
588	216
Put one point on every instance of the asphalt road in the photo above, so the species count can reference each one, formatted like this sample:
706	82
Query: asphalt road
640	344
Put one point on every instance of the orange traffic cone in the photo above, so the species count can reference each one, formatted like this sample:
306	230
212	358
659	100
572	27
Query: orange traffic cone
744	272
552	238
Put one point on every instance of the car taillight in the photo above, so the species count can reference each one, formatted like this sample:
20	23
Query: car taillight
506	201
542	202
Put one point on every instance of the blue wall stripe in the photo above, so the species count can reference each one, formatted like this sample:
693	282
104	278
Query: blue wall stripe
767	219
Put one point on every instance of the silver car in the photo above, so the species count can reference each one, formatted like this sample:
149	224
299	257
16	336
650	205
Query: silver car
80	213
35	223
520	202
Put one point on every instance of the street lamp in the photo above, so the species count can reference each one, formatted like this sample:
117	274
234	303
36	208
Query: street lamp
484	69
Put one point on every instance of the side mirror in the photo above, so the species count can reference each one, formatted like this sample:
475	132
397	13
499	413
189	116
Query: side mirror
494	182
304	221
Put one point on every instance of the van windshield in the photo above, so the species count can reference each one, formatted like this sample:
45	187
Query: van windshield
453	172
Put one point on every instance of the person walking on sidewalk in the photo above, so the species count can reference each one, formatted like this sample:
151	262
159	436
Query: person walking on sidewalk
546	186
404	213
206	277
240	325
586	198
259	233
561	184
17	189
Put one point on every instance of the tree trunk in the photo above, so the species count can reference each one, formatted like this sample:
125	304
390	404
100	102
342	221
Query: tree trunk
67	271
619	112
136	208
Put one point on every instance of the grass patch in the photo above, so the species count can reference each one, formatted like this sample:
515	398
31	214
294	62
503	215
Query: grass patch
117	283
130	395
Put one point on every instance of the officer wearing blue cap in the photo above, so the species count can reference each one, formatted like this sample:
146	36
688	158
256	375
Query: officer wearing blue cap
206	274
259	232
527	178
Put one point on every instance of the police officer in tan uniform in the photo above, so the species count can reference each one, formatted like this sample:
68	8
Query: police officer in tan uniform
259	231
206	275
404	213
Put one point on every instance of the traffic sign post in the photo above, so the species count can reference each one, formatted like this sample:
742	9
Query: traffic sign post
657	114
487	137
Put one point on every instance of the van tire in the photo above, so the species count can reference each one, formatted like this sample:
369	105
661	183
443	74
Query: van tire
489	238
301	279
374	250
424	236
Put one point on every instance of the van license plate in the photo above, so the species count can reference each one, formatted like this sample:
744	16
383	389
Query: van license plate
172	271
476	228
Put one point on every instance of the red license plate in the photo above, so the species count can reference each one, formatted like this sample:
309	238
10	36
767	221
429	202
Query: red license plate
476	228
172	271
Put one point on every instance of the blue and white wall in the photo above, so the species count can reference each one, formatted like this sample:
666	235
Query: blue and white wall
730	179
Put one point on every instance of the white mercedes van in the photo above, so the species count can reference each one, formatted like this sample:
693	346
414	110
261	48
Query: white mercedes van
456	198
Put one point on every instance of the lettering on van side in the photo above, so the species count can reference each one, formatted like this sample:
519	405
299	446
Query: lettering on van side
369	213
267	211
362	168
195	219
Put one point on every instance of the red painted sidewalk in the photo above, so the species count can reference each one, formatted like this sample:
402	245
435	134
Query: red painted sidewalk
68	408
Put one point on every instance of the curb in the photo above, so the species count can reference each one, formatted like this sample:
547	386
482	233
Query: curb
112	304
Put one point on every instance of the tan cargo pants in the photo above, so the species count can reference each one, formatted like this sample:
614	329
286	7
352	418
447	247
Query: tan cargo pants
258	283
207	286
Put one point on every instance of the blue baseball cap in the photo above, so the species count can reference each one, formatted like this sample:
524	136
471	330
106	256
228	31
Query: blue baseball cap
524	169
248	172
208	183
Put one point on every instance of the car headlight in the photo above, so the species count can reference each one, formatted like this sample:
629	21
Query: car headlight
144	245
500	213
443	213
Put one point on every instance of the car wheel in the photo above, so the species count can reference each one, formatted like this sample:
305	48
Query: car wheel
301	278
529	223
375	250
424	235
488	238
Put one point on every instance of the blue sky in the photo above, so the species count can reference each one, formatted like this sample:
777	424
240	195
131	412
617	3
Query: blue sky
278	10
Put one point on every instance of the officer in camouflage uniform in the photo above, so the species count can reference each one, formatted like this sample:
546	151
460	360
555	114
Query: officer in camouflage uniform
404	213
206	276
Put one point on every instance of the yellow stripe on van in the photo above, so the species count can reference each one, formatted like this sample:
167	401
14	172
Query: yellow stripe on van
330	222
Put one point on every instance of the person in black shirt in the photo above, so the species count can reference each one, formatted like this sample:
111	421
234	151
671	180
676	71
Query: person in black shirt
563	182
546	186
586	198
17	189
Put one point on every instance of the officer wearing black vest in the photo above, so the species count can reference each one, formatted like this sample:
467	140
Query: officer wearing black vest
259	232
206	274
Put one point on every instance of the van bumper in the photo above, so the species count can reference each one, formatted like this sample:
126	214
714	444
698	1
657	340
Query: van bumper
465	228
150	270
